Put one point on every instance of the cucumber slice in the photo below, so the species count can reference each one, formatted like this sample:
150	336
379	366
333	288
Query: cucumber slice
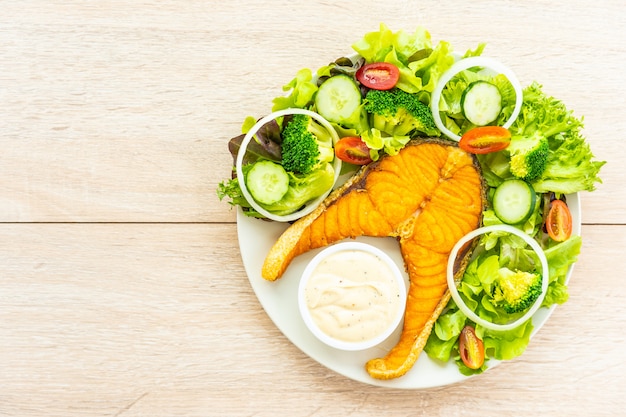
481	103
514	201
338	98
267	181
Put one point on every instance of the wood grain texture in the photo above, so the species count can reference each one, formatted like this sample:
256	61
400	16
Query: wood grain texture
118	112
160	320
122	291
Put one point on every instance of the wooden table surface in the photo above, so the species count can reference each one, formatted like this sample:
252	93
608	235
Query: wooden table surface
122	288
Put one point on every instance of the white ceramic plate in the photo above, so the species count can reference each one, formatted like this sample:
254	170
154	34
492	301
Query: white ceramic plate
280	301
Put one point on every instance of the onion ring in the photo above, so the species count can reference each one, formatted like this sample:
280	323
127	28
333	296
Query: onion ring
545	272
463	64
311	205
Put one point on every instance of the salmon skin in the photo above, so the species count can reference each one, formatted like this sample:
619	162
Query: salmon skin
428	196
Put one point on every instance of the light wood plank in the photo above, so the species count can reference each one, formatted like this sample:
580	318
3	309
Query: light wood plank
114	119
161	320
121	112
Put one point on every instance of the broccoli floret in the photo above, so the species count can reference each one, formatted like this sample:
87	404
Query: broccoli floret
398	113
568	164
516	291
529	156
306	145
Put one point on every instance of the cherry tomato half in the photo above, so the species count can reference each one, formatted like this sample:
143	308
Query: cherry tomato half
353	150
378	75
485	139
559	221
471	348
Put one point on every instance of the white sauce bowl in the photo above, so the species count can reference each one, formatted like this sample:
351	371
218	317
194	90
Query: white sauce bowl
352	296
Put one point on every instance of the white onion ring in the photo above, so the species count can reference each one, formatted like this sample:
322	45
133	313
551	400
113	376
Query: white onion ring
312	205
463	64
545	272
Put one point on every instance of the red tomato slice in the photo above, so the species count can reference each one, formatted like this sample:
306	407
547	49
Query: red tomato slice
471	348
559	221
353	150
378	75
485	139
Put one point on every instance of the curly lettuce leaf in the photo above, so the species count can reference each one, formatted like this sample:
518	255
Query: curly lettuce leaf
444	337
431	68
560	258
231	190
375	46
506	345
571	166
302	91
377	143
475	287
420	63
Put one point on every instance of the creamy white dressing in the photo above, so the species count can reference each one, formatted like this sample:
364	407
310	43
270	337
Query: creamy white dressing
353	296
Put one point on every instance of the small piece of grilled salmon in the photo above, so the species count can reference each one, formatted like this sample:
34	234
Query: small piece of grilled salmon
428	196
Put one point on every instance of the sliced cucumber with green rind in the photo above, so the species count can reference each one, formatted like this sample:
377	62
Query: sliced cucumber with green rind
267	182
481	103
514	201
338	98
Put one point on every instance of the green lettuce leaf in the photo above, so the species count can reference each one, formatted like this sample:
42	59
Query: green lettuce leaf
506	345
375	46
431	68
420	64
560	258
571	166
377	143
302	91
498	250
444	338
302	189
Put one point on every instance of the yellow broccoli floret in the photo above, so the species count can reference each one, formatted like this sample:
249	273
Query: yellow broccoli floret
529	156
516	291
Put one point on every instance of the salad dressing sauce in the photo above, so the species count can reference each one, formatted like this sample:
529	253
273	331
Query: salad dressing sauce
353	296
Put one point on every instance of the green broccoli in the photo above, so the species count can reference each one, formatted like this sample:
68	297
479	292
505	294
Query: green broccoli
398	113
562	161
516	291
305	145
571	166
529	156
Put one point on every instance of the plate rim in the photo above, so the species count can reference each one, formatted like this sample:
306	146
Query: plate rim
253	253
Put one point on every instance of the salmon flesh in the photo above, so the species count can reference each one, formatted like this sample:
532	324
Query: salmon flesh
428	196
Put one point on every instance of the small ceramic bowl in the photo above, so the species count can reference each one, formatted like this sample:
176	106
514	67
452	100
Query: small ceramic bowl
352	296
311	205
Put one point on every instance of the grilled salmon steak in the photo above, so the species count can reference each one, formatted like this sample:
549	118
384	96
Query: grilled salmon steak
428	196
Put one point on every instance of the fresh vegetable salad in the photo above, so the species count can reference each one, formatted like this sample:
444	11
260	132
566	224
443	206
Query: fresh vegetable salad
399	86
